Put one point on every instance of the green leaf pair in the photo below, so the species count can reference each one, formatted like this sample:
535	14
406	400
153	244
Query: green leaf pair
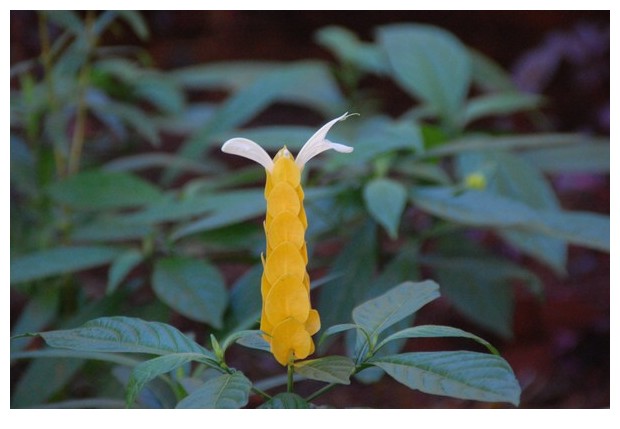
131	335
460	374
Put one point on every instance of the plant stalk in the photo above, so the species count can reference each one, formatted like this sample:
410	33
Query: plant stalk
289	382
77	142
259	392
46	61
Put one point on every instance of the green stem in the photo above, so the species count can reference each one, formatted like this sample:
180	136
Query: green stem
77	142
289	382
46	60
265	395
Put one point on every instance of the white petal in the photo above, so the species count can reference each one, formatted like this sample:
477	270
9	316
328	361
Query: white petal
339	147
248	149
318	143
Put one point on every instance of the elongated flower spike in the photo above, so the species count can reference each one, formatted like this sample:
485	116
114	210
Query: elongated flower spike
287	319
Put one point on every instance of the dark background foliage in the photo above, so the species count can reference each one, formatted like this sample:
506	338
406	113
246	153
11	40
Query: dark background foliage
561	346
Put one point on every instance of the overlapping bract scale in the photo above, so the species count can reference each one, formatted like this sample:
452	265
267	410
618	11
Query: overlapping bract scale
287	318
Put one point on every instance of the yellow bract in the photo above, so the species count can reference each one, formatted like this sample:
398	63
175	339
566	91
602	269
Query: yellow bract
287	319
313	323
285	259
285	170
286	227
288	297
290	340
282	198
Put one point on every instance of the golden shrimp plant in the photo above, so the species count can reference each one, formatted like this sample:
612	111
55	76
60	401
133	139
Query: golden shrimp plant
288	321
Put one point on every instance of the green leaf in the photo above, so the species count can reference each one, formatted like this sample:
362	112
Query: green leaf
245	300
160	91
511	176
39	312
22	164
505	103
226	391
135	117
311	84
330	369
191	287
385	200
102	23
173	208
582	228
160	393
489	75
380	135
136	22
429	63
227	208
255	341
477	142
460	374
480	288
70	57
67	19
145	161
286	400
110	229
474	208
404	266
60	260
484	209
148	370
42	379
97	190
427	172
48	353
231	75
121	266
45	377
433	331
332	330
588	157
378	314
237	336
336	302
549	250
307	83
124	335
347	47
86	404
125	70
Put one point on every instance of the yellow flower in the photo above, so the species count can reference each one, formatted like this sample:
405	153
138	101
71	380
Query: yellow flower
287	319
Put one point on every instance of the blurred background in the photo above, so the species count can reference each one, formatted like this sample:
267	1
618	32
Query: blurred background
559	345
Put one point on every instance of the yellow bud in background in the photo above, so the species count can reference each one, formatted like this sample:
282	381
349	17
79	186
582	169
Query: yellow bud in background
475	181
